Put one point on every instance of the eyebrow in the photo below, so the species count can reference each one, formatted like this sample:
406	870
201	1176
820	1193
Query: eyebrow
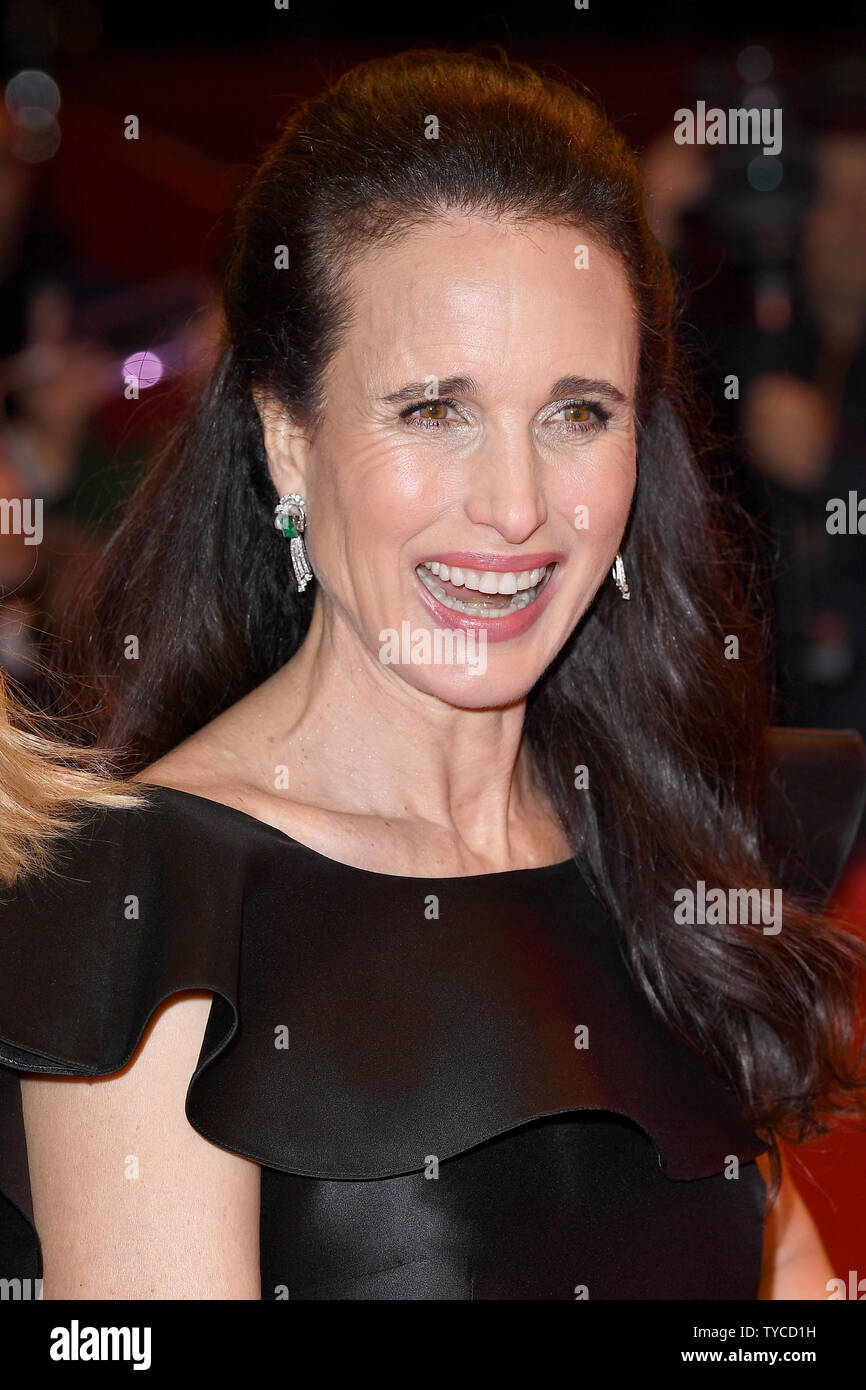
414	391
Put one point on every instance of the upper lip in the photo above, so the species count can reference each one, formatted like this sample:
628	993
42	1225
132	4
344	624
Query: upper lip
477	560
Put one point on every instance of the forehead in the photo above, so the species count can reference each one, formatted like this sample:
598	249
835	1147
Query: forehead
502	299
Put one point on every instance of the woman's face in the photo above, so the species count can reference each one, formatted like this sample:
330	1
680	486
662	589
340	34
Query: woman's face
451	436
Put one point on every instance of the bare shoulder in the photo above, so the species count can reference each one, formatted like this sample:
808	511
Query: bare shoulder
795	1263
203	765
214	761
192	764
210	764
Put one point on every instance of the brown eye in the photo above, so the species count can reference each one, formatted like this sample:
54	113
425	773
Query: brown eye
429	415
584	417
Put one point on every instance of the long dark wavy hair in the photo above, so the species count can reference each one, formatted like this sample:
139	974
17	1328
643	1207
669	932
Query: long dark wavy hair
672	731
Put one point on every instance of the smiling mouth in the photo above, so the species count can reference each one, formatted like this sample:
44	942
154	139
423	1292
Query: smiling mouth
484	593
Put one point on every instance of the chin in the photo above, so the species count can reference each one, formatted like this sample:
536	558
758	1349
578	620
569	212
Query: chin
486	689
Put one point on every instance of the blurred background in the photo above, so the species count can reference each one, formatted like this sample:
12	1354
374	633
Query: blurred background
111	252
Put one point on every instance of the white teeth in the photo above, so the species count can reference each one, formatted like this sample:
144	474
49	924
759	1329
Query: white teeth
522	588
487	581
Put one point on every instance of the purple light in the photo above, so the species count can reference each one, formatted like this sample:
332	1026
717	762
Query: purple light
145	368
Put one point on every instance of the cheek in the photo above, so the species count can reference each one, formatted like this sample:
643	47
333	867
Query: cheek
363	502
597	500
372	490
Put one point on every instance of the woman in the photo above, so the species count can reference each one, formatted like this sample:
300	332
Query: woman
386	984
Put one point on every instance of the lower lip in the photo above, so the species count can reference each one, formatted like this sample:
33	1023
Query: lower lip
497	629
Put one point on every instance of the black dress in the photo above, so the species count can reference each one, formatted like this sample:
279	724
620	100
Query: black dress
452	1087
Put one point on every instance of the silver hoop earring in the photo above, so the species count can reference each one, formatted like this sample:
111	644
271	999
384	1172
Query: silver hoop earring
618	573
290	517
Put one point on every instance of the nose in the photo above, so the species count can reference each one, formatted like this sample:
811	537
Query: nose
503	487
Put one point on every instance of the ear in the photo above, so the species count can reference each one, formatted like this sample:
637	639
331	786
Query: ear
286	445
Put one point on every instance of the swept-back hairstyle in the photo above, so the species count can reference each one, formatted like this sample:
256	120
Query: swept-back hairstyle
46	786
643	694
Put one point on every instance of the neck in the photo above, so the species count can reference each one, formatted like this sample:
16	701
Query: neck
358	738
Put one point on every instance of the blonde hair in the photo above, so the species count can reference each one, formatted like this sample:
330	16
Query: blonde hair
45	784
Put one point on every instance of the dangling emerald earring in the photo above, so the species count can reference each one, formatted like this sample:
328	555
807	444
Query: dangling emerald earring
291	518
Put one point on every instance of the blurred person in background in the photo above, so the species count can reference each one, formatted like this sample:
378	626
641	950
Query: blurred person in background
804	418
784	311
62	328
50	386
